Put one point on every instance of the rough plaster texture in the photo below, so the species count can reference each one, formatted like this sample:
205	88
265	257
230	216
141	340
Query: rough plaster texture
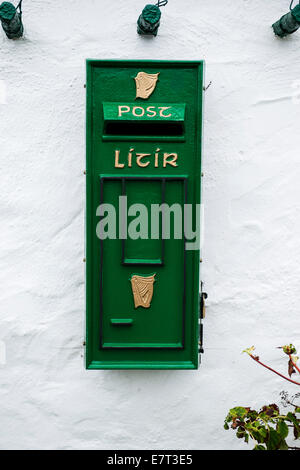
251	253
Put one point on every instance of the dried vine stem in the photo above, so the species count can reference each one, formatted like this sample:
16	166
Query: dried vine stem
256	359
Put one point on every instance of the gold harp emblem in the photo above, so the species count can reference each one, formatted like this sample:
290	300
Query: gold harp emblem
145	84
142	290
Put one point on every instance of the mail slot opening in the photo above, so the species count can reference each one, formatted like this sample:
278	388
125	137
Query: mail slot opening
144	128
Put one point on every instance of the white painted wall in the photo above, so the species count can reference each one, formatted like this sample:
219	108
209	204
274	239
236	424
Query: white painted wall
251	253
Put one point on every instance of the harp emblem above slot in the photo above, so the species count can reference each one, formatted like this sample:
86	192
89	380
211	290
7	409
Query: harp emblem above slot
145	84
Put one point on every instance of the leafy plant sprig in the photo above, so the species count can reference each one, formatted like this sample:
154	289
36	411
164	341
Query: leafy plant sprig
269	428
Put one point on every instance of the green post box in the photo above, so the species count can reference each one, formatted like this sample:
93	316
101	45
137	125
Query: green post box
144	134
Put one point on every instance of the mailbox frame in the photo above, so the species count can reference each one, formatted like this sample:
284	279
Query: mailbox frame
91	363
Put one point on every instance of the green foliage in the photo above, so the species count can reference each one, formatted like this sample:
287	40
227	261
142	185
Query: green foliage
268	428
289	349
249	350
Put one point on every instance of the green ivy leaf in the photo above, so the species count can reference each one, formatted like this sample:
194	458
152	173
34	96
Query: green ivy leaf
283	445
282	429
240	434
226	426
274	440
257	436
252	415
259	447
293	418
263	434
270	410
238	412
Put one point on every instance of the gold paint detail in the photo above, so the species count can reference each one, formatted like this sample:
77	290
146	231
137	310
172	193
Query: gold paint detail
142	290
145	84
140	156
117	164
143	160
172	161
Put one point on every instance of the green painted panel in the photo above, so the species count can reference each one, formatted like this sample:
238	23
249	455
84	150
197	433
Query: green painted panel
137	250
151	159
160	326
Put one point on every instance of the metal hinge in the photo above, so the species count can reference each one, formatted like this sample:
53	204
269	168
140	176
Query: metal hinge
203	297
201	349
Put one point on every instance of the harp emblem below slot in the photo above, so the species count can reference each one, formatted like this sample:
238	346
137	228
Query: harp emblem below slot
142	290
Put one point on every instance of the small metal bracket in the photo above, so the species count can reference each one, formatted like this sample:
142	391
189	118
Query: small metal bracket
11	19
207	87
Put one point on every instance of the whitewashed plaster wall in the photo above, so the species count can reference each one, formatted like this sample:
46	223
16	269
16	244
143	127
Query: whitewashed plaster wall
251	253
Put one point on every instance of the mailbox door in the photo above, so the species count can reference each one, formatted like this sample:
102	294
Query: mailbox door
142	293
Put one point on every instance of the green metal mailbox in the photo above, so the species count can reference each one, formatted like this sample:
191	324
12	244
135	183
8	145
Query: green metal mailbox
144	133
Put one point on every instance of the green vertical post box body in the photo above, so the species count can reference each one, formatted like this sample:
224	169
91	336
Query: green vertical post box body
144	133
